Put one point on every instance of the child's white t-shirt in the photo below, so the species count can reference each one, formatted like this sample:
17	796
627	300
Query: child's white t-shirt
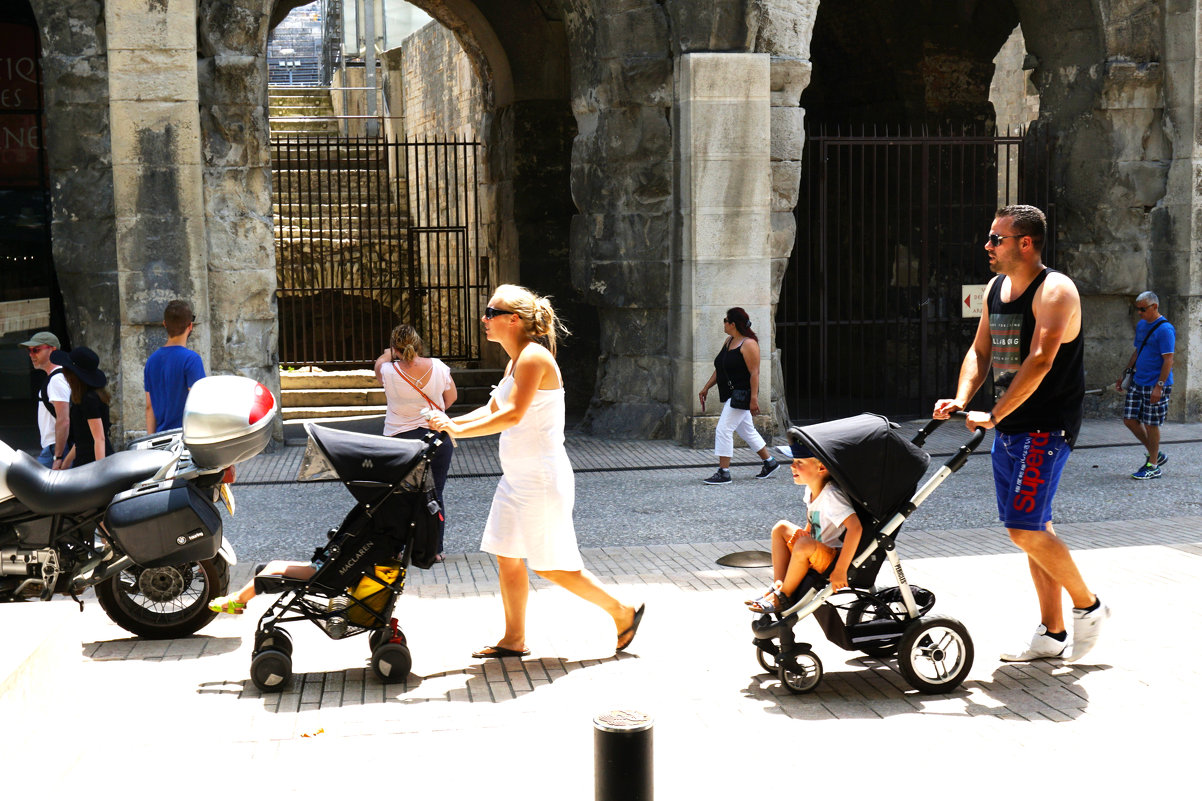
826	514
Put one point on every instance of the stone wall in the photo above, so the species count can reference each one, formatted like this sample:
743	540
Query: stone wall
440	94
79	159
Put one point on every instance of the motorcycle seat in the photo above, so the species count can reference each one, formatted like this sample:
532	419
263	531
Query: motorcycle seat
91	486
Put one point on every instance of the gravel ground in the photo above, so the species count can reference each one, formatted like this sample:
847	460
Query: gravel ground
657	507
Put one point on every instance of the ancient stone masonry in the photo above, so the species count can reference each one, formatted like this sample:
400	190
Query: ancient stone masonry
643	162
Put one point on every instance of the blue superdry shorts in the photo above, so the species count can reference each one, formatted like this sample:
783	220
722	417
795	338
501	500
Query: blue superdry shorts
1026	472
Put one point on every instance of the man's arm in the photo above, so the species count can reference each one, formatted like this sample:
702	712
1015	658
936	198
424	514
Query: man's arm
975	368
1166	368
62	428
1056	306
149	415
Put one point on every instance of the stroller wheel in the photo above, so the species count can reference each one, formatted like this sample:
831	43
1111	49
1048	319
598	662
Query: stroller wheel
271	671
391	662
381	636
767	660
935	654
276	639
799	671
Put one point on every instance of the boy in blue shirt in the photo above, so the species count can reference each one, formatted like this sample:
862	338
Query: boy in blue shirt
171	371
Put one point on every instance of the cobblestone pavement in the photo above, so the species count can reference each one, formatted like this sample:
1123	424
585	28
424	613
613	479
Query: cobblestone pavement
185	712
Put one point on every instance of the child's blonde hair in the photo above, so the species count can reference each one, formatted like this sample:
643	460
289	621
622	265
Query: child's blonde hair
536	313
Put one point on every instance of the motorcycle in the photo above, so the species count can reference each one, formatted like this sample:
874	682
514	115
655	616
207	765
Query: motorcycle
140	526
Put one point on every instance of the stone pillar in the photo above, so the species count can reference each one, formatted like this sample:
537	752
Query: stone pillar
722	249
157	179
1180	233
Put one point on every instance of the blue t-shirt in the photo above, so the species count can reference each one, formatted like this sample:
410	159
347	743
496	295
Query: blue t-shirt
1151	358
169	373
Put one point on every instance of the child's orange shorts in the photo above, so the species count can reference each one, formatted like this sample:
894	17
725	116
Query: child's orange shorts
822	557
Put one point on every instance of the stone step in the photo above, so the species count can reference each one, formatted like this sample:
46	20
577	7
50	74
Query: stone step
363	397
465	377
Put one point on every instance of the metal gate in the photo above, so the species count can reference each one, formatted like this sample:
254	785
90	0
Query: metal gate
889	230
371	233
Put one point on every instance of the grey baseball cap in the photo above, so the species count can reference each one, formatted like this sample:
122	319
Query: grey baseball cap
42	338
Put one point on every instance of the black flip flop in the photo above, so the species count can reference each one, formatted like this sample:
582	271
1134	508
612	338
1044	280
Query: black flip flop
633	629
498	652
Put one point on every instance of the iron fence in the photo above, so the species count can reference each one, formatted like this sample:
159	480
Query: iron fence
890	231
371	233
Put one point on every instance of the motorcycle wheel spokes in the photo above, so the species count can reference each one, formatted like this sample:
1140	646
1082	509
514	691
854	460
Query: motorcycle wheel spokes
164	602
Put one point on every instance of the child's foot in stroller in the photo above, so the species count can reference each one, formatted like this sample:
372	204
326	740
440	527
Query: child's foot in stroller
774	601
768	595
227	605
1042	646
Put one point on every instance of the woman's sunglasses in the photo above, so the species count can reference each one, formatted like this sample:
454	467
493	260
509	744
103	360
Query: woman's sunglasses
491	312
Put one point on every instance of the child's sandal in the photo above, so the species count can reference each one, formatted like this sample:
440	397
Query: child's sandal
228	605
768	605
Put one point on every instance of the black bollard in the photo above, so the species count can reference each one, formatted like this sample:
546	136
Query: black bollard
622	757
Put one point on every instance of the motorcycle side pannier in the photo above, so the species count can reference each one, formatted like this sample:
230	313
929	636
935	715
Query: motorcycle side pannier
227	419
166	523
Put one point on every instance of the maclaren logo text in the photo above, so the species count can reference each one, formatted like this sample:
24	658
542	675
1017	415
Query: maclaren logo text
355	559
1031	476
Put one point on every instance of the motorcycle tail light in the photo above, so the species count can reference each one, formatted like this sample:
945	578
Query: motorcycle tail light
228	476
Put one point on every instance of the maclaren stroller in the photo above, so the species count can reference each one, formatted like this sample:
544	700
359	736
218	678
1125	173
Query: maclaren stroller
879	470
361	570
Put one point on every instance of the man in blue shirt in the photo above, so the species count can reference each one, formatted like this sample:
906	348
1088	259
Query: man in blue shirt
1151	364
171	371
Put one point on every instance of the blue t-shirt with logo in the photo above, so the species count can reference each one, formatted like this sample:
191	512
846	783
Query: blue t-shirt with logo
1151	358
169	373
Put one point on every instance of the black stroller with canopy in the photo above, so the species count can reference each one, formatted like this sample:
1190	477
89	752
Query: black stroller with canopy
879	470
361	570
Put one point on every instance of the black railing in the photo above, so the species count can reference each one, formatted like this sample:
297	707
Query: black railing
890	230
371	233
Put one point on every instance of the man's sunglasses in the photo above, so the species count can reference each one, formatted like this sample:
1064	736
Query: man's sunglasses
1142	309
491	312
996	239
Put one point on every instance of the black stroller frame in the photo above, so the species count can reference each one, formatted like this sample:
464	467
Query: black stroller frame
387	530
934	652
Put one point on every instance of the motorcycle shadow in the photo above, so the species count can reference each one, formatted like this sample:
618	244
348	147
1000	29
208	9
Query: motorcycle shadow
135	649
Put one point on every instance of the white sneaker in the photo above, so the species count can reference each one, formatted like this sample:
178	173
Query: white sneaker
1041	647
1086	626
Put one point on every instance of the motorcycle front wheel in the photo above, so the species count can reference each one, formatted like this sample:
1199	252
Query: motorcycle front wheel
161	603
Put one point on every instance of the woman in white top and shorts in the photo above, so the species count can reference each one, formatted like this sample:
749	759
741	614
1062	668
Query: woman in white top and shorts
412	384
531	515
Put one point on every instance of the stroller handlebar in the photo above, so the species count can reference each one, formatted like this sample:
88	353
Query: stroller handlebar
967	448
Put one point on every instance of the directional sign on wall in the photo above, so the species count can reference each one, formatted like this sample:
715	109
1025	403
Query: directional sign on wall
972	299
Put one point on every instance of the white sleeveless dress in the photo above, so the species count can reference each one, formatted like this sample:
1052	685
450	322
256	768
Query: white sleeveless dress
531	514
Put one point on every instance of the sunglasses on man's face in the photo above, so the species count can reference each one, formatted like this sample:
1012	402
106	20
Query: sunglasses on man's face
996	239
1142	309
492	312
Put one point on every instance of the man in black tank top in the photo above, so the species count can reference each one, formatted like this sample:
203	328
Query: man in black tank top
1031	337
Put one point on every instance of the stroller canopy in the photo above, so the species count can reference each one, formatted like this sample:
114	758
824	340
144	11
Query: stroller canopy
875	465
367	457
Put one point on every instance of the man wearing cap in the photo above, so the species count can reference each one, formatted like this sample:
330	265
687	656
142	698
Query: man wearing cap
171	371
53	400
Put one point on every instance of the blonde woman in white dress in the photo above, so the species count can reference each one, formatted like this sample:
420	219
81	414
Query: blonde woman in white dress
531	517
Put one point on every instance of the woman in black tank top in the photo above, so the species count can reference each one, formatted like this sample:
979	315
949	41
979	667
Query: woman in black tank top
736	374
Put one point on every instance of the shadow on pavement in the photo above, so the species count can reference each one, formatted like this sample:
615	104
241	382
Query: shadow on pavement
134	649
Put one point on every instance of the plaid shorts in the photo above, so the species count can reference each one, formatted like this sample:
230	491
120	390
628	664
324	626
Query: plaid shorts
1139	405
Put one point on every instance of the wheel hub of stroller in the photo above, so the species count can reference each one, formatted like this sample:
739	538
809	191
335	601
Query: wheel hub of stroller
161	584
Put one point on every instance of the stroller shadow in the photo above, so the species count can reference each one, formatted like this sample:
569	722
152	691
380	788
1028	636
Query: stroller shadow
1037	692
134	649
360	686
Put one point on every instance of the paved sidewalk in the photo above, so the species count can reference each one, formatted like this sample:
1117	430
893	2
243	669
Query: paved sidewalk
185	714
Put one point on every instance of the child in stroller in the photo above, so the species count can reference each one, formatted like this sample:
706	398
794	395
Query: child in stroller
877	470
352	583
827	541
